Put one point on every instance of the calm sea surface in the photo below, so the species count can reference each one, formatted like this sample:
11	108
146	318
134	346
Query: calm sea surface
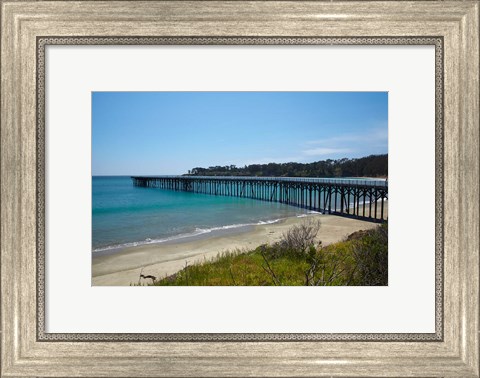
124	215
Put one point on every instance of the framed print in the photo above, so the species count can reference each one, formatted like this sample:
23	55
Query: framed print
240	188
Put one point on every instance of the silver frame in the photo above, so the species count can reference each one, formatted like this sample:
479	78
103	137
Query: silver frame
452	26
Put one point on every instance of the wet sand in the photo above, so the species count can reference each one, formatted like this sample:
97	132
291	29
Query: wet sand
123	268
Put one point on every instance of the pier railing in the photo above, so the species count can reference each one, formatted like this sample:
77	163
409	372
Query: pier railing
359	198
346	181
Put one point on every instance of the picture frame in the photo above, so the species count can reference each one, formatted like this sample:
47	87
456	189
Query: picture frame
26	350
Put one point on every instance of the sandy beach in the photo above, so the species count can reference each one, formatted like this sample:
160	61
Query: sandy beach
123	268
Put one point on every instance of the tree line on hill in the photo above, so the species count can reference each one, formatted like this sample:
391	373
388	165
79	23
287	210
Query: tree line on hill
369	166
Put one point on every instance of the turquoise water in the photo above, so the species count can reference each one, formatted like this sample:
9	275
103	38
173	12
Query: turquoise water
124	215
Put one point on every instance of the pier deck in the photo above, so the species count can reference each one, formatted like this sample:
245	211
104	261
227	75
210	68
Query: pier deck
363	199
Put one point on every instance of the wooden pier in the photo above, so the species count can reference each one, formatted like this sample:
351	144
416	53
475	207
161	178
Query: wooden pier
363	199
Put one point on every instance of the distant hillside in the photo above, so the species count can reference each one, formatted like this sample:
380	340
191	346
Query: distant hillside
369	166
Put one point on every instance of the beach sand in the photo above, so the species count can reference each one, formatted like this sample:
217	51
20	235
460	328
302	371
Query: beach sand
124	267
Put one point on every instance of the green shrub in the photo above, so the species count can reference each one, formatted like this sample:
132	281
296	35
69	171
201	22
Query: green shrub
371	257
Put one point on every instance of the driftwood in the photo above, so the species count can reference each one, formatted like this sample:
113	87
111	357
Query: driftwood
153	278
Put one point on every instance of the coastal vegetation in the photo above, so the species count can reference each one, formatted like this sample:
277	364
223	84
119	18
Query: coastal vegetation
369	166
298	258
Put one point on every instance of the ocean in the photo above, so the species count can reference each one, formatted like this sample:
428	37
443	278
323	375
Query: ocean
124	215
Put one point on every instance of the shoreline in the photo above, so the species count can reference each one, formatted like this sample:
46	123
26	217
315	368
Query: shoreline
217	231
187	237
123	267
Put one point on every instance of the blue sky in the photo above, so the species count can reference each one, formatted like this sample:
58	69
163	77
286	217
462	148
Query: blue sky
150	133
